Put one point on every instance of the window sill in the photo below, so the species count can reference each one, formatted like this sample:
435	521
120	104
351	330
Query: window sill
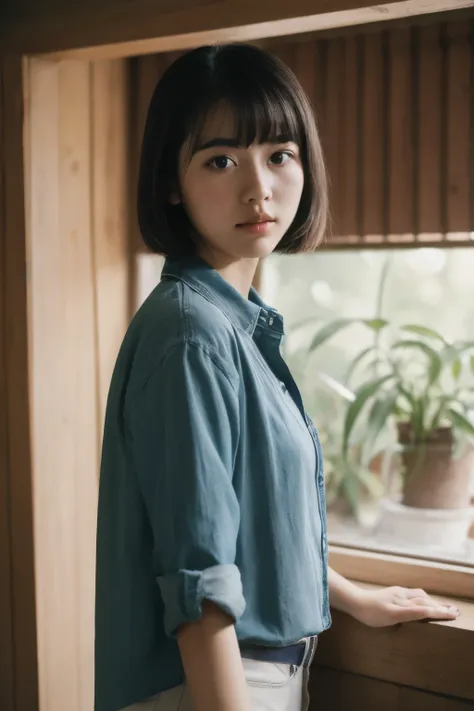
439	578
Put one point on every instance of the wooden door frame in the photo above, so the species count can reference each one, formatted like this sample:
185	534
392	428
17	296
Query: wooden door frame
89	34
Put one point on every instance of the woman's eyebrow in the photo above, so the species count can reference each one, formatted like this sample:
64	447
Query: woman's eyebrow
218	142
233	143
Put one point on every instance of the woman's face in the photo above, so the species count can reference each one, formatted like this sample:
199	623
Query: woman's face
241	201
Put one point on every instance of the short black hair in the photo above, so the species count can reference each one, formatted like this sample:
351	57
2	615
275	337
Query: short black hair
267	101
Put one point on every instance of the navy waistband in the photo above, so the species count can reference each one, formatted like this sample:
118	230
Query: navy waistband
297	654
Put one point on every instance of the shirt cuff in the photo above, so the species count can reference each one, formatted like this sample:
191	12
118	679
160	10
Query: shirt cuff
184	591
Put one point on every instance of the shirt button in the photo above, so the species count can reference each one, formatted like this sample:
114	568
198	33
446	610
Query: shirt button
270	321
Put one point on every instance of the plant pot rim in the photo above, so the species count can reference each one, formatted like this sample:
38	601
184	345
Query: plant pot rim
438	437
395	505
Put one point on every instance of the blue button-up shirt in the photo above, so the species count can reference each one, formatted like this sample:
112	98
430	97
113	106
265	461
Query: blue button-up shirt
211	486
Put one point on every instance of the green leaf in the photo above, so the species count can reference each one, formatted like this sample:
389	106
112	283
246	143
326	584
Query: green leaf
350	485
329	330
440	411
362	396
416	415
436	364
380	411
409	397
375	324
358	359
423	331
461	422
453	352
333	327
456	368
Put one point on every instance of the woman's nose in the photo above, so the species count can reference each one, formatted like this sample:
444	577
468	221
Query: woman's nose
257	186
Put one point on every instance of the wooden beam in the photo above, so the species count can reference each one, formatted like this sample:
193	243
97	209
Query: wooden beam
110	30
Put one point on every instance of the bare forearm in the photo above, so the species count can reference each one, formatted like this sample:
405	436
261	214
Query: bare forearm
343	595
212	662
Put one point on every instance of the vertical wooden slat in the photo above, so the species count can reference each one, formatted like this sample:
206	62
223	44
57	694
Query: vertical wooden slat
429	135
43	220
110	186
6	601
400	205
146	72
64	379
21	662
150	68
333	121
286	51
320	91
373	153
458	132
306	67
77	470
349	159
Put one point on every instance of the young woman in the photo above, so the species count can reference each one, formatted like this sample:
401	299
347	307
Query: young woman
212	573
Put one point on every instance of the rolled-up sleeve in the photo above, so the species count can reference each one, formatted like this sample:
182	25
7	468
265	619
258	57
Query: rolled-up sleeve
185	432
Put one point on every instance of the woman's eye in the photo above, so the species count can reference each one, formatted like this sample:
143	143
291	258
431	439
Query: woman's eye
280	157
220	162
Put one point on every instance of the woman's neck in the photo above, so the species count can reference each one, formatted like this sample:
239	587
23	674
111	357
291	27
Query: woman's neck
238	272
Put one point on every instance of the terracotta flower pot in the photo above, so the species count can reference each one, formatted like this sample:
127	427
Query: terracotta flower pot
433	479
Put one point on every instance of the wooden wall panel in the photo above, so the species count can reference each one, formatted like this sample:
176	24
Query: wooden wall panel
335	690
396	120
306	68
18	672
7	692
430	657
79	256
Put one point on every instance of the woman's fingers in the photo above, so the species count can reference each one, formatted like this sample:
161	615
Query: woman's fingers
411	610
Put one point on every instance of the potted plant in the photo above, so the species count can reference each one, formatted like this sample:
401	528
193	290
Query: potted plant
419	385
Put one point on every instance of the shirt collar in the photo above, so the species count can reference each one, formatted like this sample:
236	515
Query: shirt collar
201	277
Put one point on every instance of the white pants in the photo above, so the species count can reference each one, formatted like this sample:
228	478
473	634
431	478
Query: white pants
272	687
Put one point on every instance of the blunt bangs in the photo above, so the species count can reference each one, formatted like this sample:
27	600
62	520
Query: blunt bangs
261	114
267	105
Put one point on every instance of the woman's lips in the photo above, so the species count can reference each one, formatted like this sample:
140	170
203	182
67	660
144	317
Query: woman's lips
257	228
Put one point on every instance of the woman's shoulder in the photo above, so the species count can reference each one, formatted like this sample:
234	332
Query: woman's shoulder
173	317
